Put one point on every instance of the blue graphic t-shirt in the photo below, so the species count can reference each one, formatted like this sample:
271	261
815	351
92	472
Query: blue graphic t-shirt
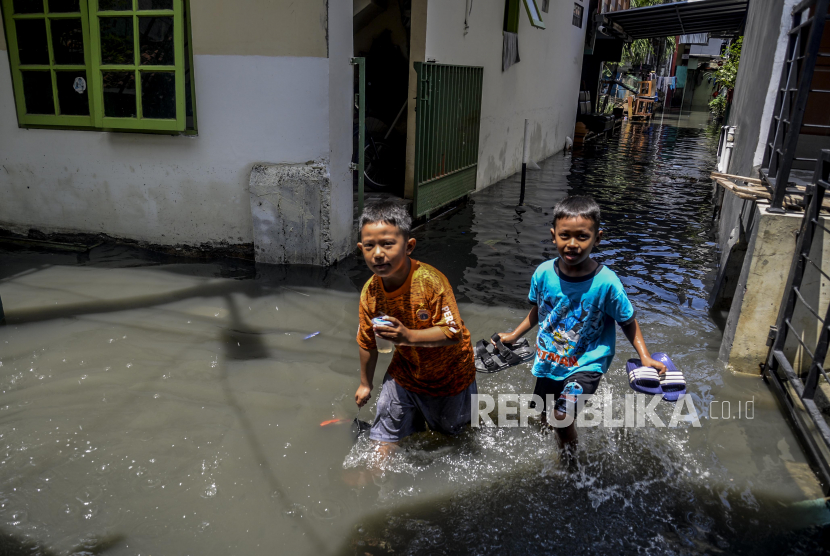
576	320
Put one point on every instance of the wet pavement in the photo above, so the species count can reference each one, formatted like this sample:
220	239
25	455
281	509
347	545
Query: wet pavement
152	405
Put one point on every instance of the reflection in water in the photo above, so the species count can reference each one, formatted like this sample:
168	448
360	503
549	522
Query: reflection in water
175	406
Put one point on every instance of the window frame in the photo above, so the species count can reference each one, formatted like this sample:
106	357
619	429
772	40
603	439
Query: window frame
57	119
98	67
94	69
581	15
538	23
511	15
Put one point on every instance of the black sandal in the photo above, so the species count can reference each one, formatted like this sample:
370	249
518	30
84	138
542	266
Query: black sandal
491	359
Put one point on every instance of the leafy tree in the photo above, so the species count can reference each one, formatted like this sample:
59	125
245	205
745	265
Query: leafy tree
725	76
638	51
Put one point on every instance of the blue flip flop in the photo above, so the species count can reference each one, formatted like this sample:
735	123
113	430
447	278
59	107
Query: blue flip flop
643	379
673	383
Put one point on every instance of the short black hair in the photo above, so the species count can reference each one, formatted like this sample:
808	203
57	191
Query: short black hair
389	212
576	206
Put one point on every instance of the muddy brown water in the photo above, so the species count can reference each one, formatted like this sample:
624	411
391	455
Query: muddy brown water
153	405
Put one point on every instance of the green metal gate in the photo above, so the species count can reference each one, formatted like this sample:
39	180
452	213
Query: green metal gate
448	120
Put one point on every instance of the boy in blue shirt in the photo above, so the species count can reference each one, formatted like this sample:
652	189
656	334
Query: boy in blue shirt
576	302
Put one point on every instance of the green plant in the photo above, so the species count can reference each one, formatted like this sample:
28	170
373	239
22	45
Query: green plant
726	74
718	105
637	52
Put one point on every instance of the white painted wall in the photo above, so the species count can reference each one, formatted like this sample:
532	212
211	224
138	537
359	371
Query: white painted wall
168	189
341	105
764	46
543	87
711	49
273	86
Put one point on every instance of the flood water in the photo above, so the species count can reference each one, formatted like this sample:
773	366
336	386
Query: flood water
153	405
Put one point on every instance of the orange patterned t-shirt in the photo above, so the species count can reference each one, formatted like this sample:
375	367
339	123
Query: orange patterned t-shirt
423	301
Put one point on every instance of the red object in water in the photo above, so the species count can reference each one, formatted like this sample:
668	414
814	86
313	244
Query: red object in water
332	421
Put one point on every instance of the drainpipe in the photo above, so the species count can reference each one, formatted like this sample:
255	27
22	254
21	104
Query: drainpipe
728	141
2	315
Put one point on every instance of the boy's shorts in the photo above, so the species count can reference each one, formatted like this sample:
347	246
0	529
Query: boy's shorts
566	391
401	412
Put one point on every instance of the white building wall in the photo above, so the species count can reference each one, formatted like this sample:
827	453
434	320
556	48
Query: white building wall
711	49
341	106
543	87
251	109
168	189
764	45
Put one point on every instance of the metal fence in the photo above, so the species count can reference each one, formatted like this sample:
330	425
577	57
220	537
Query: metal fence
805	36
797	389
448	120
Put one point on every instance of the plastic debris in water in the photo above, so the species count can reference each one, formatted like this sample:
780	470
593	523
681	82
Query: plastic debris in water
310	336
333	421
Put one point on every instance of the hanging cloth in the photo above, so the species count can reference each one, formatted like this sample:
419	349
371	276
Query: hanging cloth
510	50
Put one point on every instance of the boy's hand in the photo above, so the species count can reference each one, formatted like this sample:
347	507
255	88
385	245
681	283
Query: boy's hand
654	364
397	333
362	395
506	338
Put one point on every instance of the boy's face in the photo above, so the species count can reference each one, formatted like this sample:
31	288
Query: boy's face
575	238
385	249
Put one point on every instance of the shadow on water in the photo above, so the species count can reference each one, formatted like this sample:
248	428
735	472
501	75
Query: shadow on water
242	343
249	279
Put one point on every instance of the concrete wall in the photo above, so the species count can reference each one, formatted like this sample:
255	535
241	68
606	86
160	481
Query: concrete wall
417	53
260	27
266	92
761	286
764	45
710	49
543	87
760	289
339	234
752	105
702	93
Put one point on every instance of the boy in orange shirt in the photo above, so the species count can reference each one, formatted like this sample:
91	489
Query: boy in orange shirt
431	378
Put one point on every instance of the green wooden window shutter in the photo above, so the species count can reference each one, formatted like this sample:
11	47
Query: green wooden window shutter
534	14
138	64
106	64
50	62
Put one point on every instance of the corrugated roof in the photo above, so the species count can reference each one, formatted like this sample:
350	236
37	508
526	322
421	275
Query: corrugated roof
681	18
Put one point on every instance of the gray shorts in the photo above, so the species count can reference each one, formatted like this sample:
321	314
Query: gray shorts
401	412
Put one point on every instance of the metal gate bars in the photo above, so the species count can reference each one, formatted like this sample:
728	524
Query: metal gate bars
799	397
448	120
805	36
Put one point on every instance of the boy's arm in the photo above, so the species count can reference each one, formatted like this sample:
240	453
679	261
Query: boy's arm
531	320
400	335
445	330
635	336
368	360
